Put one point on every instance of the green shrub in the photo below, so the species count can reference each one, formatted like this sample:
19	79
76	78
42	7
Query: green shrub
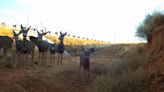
151	21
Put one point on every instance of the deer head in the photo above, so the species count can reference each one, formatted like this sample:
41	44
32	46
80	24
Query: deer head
62	35
24	30
16	35
42	33
87	52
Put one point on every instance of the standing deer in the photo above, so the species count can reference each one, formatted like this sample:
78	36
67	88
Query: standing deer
24	46
61	47
5	43
19	45
53	50
42	45
85	60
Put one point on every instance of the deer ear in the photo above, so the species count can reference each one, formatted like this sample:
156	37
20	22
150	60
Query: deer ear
28	28
42	31
21	27
48	32
37	31
19	32
45	33
65	33
92	50
14	32
82	48
60	33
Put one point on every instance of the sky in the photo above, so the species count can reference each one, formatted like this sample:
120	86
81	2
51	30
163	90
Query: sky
108	20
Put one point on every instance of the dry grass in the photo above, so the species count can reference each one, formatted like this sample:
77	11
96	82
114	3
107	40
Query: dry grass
124	73
111	68
127	81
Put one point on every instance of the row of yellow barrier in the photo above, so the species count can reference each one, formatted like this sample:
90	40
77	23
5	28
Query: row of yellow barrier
6	31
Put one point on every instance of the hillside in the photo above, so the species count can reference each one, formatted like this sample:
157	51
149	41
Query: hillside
156	66
63	78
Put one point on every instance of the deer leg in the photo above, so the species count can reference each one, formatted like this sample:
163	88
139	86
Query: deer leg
50	58
45	56
21	58
58	59
87	74
25	59
21	61
18	59
54	58
32	58
39	57
88	70
84	73
15	60
79	69
61	58
42	57
4	51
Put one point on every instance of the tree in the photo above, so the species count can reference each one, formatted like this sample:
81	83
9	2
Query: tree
144	30
146	27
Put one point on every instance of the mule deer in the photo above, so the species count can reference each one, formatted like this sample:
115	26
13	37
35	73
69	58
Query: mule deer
24	46
42	45
85	60
5	43
53	50
61	47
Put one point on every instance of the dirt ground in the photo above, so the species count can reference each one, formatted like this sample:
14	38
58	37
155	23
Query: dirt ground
44	78
50	77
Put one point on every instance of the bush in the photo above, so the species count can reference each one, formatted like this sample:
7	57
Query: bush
151	21
128	81
125	74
